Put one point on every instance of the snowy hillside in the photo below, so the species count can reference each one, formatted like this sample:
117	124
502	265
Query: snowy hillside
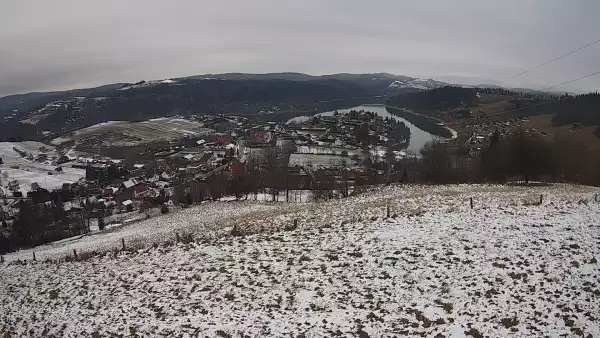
436	267
416	83
143	84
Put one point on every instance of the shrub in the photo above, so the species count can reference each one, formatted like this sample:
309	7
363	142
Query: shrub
164	209
509	322
53	294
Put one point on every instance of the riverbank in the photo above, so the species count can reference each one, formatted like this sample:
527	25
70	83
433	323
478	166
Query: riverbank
426	123
418	138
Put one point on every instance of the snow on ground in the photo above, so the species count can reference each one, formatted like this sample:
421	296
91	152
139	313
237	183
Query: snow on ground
294	196
319	160
40	175
142	132
206	219
434	268
28	171
9	155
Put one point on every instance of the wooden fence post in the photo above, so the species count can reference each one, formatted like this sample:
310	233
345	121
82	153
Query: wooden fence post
471	202
1	258
123	242
541	199
34	256
388	211
292	227
74	254
177	237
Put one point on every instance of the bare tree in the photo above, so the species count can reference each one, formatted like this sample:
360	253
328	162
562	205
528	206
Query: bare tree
275	165
217	186
344	178
436	162
530	156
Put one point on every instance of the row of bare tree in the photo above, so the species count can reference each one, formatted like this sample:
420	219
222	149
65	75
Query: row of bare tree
522	156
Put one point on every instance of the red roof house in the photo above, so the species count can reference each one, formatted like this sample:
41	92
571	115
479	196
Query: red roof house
140	191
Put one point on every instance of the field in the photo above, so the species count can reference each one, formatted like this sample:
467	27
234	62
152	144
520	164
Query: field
10	156
320	160
435	267
499	109
584	135
124	133
27	171
38	175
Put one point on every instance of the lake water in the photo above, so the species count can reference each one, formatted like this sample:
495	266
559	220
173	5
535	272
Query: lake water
418	137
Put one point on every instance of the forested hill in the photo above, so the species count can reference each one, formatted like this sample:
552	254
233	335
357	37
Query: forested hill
452	97
189	96
448	97
567	109
584	109
243	96
380	83
25	102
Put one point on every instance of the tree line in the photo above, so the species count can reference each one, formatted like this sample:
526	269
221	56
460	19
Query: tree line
39	223
452	97
521	156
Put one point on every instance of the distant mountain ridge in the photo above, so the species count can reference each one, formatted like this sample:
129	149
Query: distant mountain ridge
24	102
379	83
417	83
242	93
42	115
376	79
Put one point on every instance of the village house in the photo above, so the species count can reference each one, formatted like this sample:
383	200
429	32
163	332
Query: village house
128	184
13	185
140	191
109	191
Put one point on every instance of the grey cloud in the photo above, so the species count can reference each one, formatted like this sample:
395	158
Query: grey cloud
59	44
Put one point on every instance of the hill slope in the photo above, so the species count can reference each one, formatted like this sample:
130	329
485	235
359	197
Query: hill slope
58	113
438	267
24	102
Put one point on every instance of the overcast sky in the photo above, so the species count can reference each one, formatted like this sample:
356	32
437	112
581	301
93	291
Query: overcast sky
62	44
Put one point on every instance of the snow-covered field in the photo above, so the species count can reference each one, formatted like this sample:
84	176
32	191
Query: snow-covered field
134	133
434	268
205	220
294	196
27	171
10	156
40	175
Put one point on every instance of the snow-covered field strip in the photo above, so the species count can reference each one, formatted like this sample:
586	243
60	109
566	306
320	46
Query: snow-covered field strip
150	130
40	176
435	268
8	153
27	171
206	220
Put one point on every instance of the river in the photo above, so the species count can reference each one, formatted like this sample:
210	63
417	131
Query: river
418	137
